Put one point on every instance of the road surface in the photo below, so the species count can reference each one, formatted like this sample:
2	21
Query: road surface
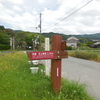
84	71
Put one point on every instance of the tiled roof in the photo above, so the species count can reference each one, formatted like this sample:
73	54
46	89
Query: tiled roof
73	38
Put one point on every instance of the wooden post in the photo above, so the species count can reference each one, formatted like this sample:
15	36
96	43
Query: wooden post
56	55
56	64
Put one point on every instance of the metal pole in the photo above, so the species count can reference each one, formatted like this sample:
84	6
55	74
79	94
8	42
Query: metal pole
33	43
40	34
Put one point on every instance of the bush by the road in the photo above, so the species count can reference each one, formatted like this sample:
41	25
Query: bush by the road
5	47
69	48
89	55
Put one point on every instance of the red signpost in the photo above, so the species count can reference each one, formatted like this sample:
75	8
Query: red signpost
41	55
59	46
56	55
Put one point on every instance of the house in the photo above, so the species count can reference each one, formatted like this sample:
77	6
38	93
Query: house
72	41
96	43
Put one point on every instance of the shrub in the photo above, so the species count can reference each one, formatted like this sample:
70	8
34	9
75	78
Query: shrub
69	48
89	55
84	48
5	47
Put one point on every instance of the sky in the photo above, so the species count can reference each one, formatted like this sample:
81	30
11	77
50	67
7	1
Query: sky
60	16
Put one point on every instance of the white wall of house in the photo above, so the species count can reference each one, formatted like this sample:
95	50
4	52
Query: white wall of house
74	45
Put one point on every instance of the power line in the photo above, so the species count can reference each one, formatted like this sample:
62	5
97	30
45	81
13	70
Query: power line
73	8
68	15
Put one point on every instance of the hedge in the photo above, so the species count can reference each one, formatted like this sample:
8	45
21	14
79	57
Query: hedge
5	47
69	48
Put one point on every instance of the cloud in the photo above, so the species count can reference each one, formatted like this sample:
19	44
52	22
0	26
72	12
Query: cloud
86	19
41	1
18	2
4	12
1	5
24	15
16	8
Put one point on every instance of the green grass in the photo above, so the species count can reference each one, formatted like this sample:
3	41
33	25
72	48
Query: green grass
18	83
88	55
87	48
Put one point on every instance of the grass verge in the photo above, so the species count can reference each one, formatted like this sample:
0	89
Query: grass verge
18	83
88	55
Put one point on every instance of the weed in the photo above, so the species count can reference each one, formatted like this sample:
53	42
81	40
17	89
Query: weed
18	83
88	55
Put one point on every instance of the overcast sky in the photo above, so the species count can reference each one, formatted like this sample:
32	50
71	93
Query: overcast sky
60	16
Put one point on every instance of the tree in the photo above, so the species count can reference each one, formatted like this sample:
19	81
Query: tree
10	32
32	40
90	43
2	27
27	37
19	38
4	38
81	44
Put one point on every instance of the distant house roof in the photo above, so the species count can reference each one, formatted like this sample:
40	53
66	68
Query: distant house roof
96	43
73	38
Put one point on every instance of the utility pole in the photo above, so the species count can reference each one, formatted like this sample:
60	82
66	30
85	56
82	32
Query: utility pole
40	34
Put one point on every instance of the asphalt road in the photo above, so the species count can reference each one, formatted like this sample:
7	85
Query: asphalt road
84	71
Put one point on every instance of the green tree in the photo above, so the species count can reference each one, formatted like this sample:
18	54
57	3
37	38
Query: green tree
26	38
19	38
10	32
90	43
4	38
2	27
31	38
81	44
